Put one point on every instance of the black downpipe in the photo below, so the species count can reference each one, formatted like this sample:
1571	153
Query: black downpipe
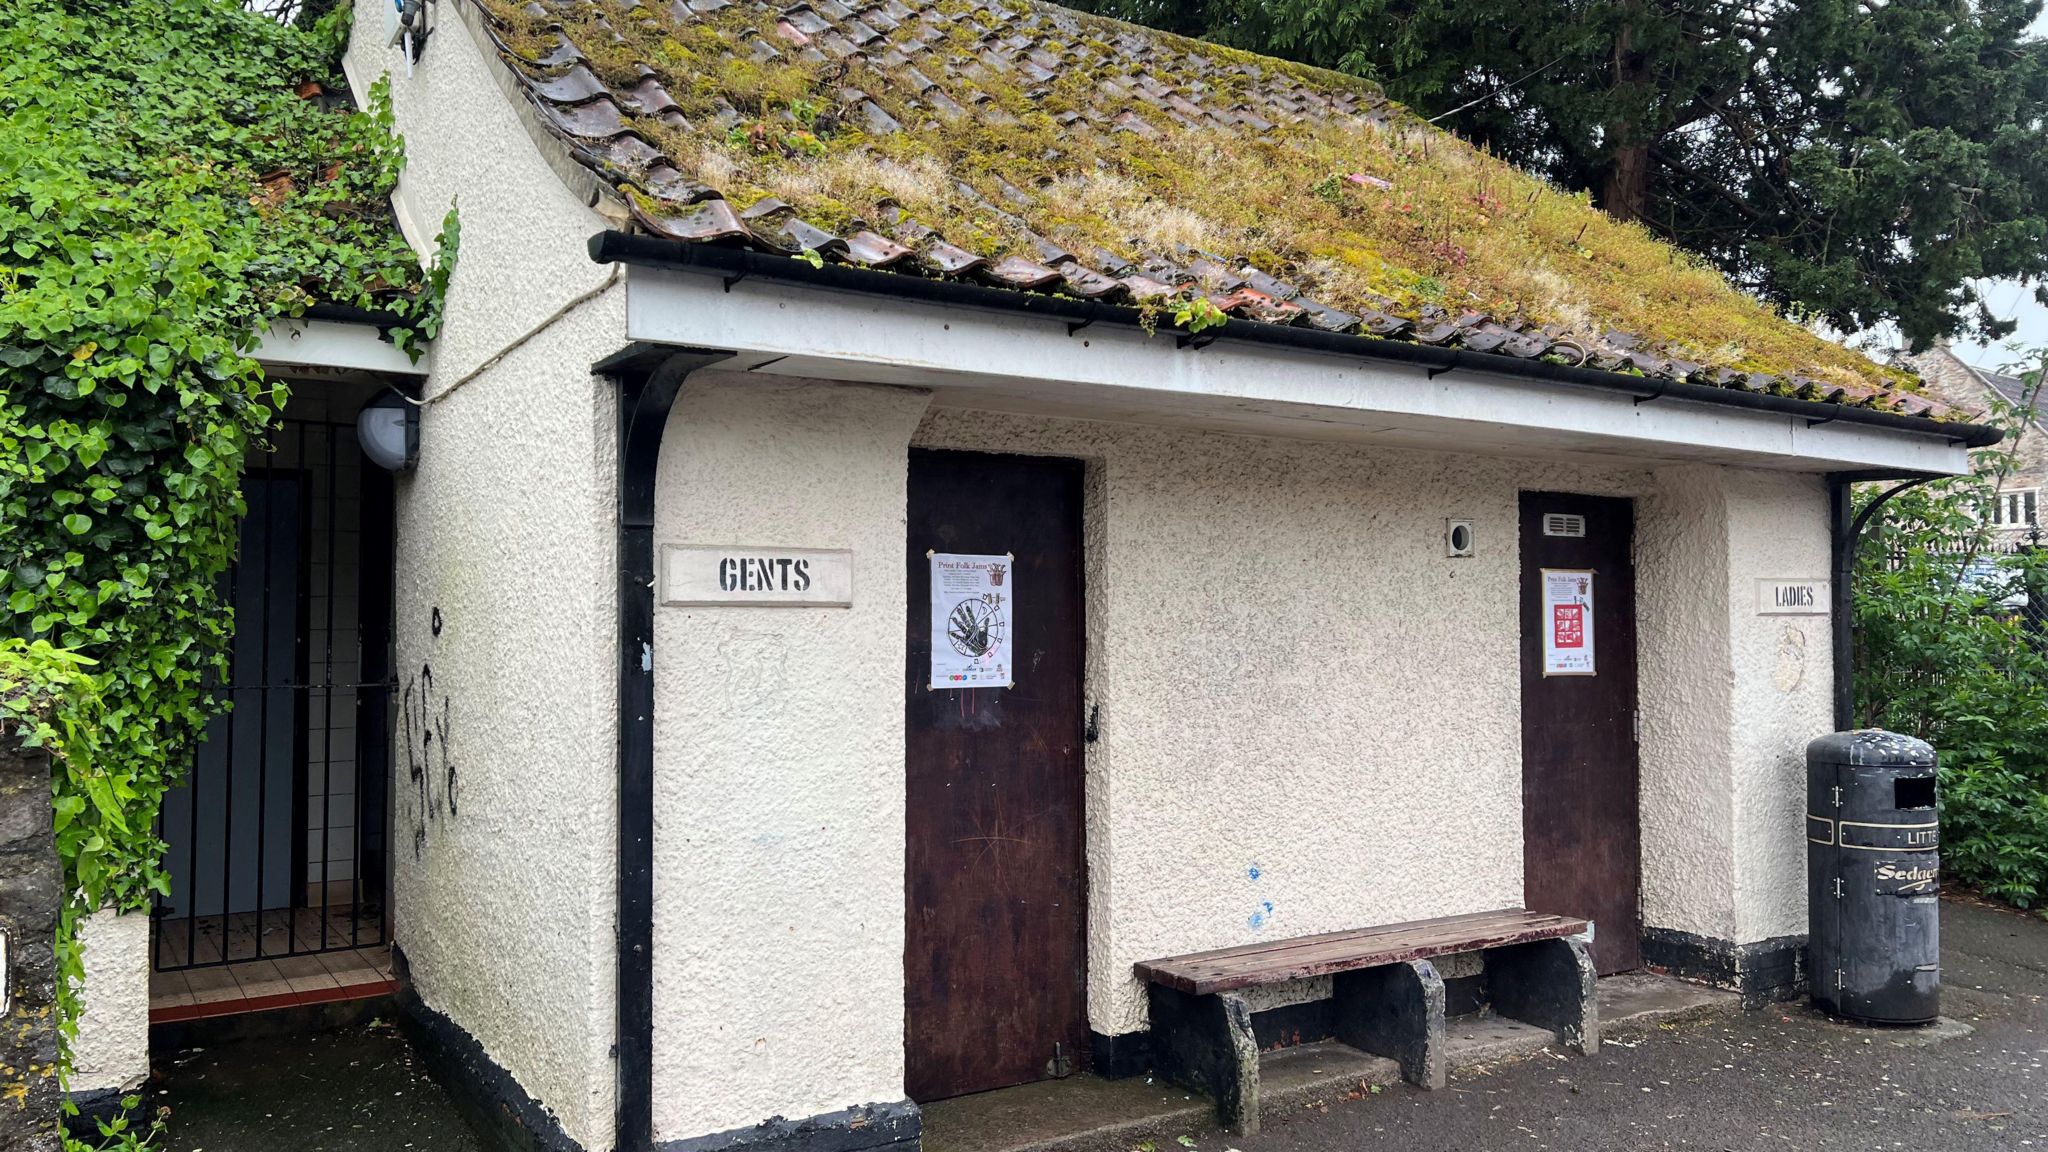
643	412
648	383
737	264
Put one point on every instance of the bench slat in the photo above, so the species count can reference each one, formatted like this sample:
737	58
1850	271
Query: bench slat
1336	956
1362	936
1273	962
1420	934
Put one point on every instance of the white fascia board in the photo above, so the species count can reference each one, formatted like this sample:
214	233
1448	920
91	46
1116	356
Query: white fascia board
292	345
1014	362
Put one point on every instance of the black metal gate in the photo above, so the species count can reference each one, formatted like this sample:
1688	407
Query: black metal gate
277	840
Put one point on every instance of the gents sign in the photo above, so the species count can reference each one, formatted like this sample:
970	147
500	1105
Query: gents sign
698	575
1786	597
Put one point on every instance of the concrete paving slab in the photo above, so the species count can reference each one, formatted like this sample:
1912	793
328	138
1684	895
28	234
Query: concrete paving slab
1484	1038
1638	1000
1312	1074
1088	1114
1081	1113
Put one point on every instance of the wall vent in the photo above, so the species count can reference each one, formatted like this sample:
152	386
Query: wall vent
1563	524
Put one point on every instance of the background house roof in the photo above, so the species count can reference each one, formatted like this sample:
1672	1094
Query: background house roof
2012	388
1031	147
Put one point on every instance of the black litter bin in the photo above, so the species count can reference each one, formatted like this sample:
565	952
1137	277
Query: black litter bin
1873	877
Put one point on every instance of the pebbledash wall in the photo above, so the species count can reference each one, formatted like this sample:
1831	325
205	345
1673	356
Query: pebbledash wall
110	1055
505	781
778	745
1258	773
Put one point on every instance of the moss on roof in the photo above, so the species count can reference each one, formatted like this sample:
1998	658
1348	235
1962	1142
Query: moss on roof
1020	130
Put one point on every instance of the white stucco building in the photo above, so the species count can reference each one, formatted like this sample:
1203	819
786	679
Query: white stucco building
1363	607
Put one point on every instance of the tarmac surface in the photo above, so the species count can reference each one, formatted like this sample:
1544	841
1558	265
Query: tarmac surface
1785	1077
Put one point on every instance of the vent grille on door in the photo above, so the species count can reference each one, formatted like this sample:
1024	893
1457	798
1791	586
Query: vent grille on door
1563	524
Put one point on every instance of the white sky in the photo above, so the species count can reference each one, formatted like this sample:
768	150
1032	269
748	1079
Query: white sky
2008	299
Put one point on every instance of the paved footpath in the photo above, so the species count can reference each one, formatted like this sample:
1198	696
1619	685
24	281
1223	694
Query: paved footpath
1779	1079
1776	1079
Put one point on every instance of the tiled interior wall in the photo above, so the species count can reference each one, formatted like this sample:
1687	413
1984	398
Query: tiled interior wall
318	439
328	456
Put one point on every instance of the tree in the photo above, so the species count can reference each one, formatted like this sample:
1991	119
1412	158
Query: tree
1952	646
1856	161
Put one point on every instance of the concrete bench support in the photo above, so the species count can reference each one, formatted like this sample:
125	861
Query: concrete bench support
1550	984
1388	997
1206	1042
1396	1011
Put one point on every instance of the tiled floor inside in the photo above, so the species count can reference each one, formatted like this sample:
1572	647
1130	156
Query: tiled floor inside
262	972
181	943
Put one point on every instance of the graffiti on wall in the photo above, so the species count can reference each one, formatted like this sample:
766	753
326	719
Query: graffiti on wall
424	721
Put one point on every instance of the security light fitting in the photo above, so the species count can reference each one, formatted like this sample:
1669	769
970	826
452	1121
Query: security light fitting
388	428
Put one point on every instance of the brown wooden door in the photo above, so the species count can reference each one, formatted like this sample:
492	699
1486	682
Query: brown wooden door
994	953
1581	842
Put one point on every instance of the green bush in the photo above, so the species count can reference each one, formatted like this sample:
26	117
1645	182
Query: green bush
1952	647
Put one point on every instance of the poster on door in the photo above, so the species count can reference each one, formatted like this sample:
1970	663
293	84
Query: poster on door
1567	622
972	598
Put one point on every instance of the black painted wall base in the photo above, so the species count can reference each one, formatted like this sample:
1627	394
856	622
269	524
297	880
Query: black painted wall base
95	1105
1762	973
495	1105
509	1120
896	1125
1123	1055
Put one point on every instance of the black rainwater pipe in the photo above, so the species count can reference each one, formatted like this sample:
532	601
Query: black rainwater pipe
649	379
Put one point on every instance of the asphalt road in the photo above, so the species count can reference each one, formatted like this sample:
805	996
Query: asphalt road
1788	1078
1778	1079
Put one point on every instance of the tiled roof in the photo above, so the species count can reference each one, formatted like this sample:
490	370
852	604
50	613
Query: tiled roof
2012	388
1026	146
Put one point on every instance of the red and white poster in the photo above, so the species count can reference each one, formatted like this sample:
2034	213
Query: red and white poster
1567	622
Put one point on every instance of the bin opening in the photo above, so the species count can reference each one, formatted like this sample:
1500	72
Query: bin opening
1913	792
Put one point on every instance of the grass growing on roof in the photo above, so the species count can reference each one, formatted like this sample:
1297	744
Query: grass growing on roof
1393	215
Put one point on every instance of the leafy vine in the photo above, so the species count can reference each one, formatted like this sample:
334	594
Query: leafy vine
174	177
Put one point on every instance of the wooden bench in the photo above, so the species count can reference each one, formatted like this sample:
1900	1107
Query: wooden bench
1388	999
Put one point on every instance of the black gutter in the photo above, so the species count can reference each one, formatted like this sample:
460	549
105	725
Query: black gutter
377	318
736	264
648	382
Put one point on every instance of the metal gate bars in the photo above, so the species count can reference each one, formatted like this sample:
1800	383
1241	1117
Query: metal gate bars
277	837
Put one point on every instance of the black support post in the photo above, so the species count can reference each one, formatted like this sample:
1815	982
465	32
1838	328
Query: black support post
1842	548
1846	533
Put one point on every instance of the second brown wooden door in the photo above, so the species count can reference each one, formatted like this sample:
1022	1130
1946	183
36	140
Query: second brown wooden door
994	951
1581	840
